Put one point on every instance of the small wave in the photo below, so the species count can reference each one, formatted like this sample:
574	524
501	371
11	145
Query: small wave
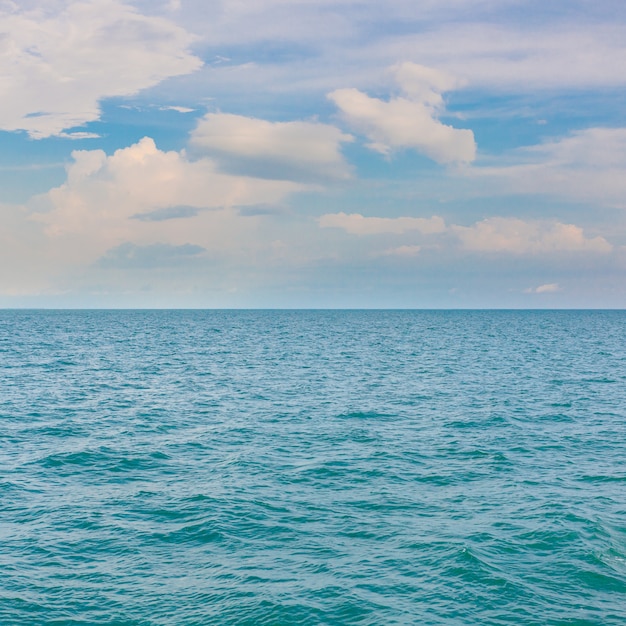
364	415
199	533
600	478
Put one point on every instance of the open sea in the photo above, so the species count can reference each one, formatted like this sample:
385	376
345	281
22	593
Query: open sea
313	467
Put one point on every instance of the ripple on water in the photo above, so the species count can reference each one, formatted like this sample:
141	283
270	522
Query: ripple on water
312	467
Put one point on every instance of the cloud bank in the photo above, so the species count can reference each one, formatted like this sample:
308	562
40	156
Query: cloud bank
520	237
502	235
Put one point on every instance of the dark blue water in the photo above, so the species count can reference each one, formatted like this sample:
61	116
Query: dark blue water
312	467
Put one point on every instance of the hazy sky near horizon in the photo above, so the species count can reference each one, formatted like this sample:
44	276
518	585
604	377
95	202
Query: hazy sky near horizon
313	153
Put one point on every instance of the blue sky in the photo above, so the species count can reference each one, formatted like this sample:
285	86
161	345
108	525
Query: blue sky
313	153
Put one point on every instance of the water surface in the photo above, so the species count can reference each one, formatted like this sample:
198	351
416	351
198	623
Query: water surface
312	467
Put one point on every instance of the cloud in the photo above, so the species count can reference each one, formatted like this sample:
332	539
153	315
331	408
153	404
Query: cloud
411	120
141	194
547	288
306	47
497	235
135	209
502	54
516	236
79	135
158	255
178	109
587	165
593	147
272	149
56	65
357	224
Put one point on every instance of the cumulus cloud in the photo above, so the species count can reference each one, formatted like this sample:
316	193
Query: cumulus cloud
516	236
587	165
144	195
357	224
136	209
410	120
56	65
272	149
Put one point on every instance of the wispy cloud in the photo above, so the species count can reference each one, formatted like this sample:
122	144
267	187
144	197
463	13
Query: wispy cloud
178	109
587	165
547	288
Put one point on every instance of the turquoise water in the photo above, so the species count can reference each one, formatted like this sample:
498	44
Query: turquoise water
312	467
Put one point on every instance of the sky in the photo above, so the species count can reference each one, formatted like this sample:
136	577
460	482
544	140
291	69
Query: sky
313	154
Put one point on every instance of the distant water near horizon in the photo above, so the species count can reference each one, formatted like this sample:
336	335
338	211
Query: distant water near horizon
312	467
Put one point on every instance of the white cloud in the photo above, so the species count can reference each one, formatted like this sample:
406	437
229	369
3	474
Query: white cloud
178	109
99	204
79	135
506	55
547	288
593	147
56	65
281	148
138	209
498	235
357	224
411	120
516	236
318	45
588	165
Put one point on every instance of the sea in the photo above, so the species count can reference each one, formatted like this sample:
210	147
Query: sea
312	467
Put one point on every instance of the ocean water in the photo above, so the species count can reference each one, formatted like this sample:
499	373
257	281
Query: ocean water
313	467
